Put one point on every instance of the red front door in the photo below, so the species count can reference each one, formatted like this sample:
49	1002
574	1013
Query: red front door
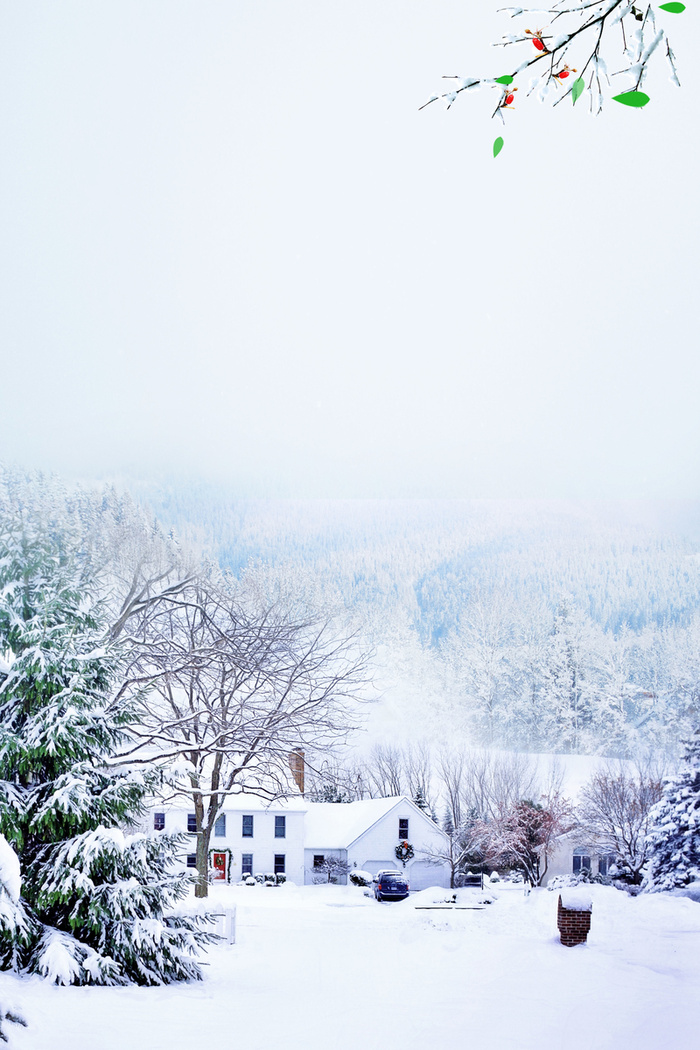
220	866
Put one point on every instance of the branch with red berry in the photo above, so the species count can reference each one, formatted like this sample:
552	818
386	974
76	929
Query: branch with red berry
588	29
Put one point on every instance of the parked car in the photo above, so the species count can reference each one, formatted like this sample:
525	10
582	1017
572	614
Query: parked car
390	886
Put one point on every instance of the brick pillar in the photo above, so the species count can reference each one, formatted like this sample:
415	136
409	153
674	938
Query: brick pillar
573	925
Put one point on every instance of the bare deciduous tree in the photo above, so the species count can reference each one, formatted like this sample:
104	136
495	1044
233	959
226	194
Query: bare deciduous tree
494	782
614	814
462	850
450	766
418	765
385	770
230	689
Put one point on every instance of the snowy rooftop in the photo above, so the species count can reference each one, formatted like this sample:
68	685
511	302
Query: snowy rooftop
295	803
336	825
250	804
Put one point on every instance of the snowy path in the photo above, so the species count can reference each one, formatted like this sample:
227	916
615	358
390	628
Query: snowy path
327	966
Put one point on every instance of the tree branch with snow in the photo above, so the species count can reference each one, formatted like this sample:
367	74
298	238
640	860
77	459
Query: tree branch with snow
572	50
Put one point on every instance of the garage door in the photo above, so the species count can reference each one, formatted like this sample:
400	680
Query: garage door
374	866
421	874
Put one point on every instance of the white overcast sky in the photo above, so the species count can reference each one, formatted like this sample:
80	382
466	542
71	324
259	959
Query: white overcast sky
231	246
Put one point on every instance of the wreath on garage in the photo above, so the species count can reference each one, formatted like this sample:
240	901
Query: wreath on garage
404	852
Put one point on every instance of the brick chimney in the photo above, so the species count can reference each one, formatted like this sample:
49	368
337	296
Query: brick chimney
296	764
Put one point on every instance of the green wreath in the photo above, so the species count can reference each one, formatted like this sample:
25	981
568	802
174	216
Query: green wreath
404	852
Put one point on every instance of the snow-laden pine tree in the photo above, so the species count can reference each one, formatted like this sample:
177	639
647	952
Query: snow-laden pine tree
674	838
12	919
97	903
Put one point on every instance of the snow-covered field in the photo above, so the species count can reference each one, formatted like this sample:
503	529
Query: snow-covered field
327	966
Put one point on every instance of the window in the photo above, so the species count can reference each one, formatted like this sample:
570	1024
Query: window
192	823
191	860
247	827
158	821
247	864
403	828
319	860
279	863
606	863
280	827
220	826
582	860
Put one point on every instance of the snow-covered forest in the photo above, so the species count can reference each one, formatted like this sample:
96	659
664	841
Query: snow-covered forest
541	626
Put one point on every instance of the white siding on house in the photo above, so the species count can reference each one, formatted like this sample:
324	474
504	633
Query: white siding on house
263	845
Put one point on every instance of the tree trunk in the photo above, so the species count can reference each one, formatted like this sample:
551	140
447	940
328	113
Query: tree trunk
201	888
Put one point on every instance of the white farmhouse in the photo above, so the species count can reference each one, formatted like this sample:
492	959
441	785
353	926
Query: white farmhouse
250	836
292	837
365	835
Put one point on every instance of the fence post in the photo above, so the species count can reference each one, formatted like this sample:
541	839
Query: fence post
226	925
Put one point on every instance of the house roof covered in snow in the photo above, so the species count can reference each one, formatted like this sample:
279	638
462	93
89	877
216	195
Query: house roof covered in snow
244	803
336	825
250	803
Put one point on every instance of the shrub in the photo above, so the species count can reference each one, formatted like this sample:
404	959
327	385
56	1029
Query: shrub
360	878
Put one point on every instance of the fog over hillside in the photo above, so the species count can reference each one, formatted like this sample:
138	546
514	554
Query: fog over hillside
542	625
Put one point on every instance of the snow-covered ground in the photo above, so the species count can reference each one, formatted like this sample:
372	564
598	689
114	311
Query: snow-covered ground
327	966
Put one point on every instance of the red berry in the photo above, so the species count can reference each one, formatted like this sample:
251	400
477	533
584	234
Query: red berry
538	44
563	74
509	99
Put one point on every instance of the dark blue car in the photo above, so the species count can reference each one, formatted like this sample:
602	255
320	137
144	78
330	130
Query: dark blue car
390	886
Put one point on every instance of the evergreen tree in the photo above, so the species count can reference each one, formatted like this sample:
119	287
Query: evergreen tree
447	823
12	918
96	903
675	833
332	793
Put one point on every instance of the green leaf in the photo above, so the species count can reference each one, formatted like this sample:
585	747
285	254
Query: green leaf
632	98
497	146
577	90
673	9
504	80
